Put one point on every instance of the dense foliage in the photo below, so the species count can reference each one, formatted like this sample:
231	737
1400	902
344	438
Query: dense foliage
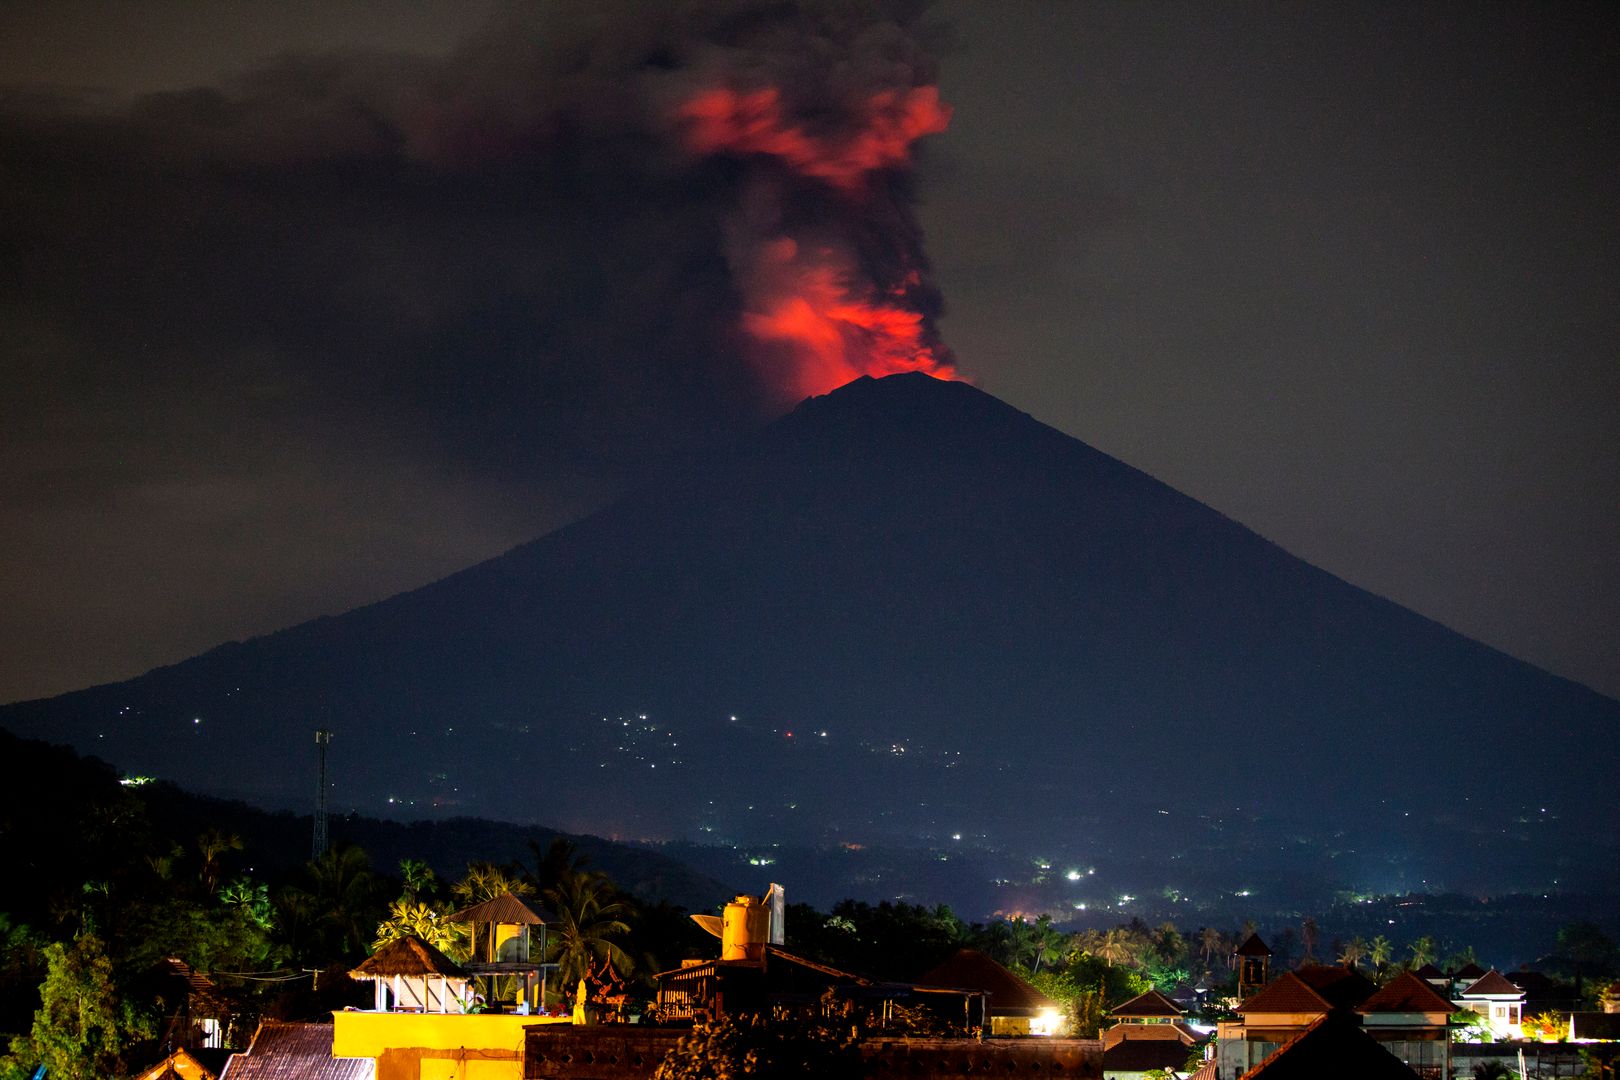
109	882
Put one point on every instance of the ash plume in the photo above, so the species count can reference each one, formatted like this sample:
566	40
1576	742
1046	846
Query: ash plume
580	236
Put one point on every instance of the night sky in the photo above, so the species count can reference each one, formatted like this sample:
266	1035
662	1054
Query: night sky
306	304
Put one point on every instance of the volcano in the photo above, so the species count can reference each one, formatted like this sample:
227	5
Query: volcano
907	613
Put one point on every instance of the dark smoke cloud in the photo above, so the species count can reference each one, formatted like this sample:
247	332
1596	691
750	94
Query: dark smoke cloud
509	248
500	265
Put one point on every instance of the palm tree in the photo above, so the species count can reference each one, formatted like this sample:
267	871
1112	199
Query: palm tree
1020	942
419	879
559	859
407	919
1378	952
1048	939
1354	952
344	890
1307	937
1423	951
1210	942
486	881
589	918
211	845
1116	947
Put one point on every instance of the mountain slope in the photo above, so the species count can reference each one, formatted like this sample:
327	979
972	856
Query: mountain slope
1004	634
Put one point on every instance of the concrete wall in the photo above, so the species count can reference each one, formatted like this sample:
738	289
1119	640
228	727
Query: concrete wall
630	1052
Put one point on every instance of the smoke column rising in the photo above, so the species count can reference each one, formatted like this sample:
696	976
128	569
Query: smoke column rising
819	310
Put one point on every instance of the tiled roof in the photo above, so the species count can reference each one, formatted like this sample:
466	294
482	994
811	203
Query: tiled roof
1405	993
1344	988
1468	971
295	1052
970	969
408	956
1429	971
1175	1032
1529	980
1150	1004
1253	946
1140	1055
505	909
1492	984
1333	1046
1288	994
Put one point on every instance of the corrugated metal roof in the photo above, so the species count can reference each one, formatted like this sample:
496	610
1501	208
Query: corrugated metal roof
295	1052
505	908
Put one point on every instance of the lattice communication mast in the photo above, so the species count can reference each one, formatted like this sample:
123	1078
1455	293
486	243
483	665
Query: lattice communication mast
318	845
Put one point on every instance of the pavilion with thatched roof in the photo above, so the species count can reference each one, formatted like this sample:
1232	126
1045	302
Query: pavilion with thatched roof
412	976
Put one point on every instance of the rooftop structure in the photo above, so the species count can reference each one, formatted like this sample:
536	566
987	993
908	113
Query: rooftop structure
409	975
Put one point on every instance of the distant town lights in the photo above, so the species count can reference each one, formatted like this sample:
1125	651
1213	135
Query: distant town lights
1073	875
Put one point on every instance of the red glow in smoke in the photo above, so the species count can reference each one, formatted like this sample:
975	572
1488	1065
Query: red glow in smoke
750	122
817	323
834	337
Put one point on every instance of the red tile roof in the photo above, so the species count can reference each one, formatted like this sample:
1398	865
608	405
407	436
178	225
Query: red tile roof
1468	971
1288	994
970	969
1405	993
1151	1004
1141	1055
1332	1046
1492	984
1344	988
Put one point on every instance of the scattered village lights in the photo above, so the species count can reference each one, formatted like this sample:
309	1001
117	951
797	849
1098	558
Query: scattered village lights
1073	875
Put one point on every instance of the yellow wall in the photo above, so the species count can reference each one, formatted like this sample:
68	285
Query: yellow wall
425	1046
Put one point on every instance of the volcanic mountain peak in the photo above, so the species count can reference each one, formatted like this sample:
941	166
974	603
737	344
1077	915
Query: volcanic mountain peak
903	611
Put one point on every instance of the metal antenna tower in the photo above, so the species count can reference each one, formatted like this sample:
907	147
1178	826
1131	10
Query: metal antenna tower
318	846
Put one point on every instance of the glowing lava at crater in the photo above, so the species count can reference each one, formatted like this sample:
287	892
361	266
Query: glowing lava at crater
816	313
